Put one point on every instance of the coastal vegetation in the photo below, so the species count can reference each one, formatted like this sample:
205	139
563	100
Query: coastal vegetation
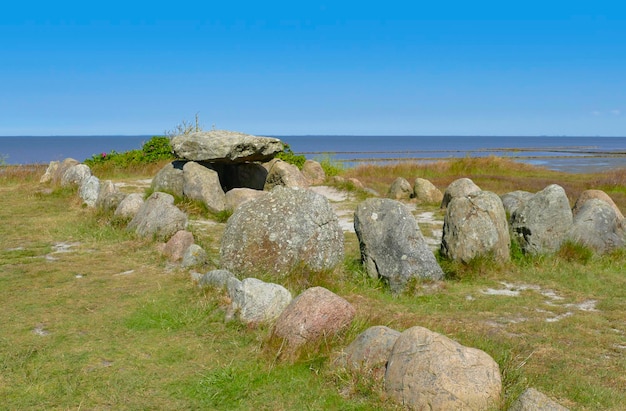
97	318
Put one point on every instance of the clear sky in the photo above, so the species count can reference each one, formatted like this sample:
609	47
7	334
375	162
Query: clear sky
314	67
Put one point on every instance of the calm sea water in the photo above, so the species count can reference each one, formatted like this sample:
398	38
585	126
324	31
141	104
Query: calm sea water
574	154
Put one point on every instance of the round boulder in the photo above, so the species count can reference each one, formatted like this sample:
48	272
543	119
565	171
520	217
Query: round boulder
400	189
458	188
425	192
474	226
284	229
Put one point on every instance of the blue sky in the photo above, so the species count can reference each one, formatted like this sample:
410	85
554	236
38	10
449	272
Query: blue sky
314	67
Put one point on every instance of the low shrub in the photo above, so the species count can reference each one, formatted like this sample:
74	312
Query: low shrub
290	157
156	149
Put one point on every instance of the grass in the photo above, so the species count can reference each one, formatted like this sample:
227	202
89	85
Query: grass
111	325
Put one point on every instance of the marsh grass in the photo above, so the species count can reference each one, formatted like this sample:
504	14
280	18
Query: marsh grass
108	324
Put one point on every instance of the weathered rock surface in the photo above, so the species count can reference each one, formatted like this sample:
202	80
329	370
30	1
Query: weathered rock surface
53	166
218	279
458	188
392	245
513	200
474	226
109	196
56	170
400	189
428	371
203	184
237	196
370	351
194	256
75	175
597	226
158	217
542	223
225	146
170	179
315	314
281	173
176	246
533	400
313	172
597	194
254	301
425	192
280	231
129	206
89	191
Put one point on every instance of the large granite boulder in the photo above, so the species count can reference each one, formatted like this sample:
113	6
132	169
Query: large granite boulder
315	314
194	256
237	196
89	191
400	189
129	206
370	351
281	173
514	200
203	184
51	171
56	169
254	301
474	226
225	146
597	194
287	228
109	196
533	400
313	172
75	175
158	217
458	188
392	245
425	192
596	225
429	371
541	224
218	279
170	179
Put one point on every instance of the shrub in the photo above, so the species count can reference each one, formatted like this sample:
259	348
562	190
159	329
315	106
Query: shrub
156	149
290	157
330	166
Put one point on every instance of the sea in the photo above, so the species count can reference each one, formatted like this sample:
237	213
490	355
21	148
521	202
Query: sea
561	153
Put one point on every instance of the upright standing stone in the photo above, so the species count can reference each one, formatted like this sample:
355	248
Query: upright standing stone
203	184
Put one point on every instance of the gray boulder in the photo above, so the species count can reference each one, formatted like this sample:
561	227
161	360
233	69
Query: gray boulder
392	245
254	301
275	233
203	184
194	256
48	176
542	223
314	315
89	191
370	351
225	147
597	194
158	217
514	200
75	175
109	196
425	192
474	226
428	371
458	188
281	173
218	279
237	196
59	171
170	179
596	225
400	189
533	400
129	206
313	172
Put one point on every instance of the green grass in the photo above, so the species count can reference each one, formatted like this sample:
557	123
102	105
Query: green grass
111	325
